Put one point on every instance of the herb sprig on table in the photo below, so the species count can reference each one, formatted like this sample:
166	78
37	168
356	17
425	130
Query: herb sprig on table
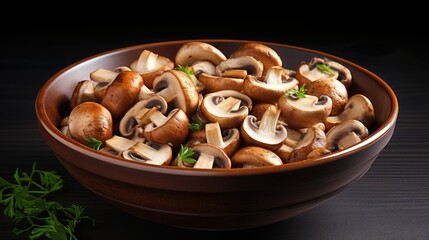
25	200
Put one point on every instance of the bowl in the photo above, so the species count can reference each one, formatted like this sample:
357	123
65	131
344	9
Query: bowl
221	199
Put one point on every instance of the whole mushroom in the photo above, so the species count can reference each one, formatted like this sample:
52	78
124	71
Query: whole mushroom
331	88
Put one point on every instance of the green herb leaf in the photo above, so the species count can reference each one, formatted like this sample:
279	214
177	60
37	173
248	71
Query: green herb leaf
94	143
188	71
196	124
295	94
325	68
186	154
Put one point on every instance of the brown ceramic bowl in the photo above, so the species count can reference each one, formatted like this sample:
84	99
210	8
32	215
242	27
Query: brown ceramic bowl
212	199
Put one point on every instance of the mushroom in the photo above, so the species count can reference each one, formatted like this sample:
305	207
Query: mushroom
191	52
284	152
135	115
200	67
107	76
305	112
90	120
249	64
172	129
150	65
119	144
260	52
312	139
207	156
178	90
272	88
227	107
83	92
150	152
266	133
253	156
214	83
323	68
145	93
228	140
345	134
358	107
331	88
122	93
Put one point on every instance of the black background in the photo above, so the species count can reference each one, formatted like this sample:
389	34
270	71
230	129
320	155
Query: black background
390	202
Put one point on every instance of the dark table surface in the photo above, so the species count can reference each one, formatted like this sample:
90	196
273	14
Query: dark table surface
390	202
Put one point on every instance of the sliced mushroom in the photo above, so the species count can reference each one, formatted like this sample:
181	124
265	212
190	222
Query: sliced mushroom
107	76
122	93
134	116
252	156
150	65
284	152
83	92
200	67
358	107
345	134
218	83
211	156
271	88
178	90
266	133
312	139
145	93
317	153
248	63
331	88
228	140
319	68
119	144
150	152
191	52
90	120
260	52
304	112
227	107
172	129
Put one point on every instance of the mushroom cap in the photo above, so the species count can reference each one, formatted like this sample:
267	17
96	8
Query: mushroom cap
304	112
345	134
331	88
218	83
358	107
90	120
187	95
191	52
173	131
260	52
312	139
122	93
253	156
83	92
232	117
248	63
221	158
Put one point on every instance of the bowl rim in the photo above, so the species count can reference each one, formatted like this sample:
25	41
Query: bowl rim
382	130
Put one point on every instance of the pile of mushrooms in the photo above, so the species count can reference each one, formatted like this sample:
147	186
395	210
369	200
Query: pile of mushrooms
205	110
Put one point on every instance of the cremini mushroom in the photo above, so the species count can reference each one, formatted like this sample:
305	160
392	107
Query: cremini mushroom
150	153
136	114
122	93
312	139
172	129
331	88
150	65
103	78
260	52
119	144
319	68
90	120
83	92
266	133
345	134
178	90
227	107
358	107
271	87
191	52
200	67
253	156
207	156
246	65
215	83
228	140
300	112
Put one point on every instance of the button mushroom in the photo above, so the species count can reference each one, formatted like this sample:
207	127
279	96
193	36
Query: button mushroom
345	134
312	139
271	88
227	107
331	88
228	140
358	107
266	133
191	52
305	112
172	129
248	63
150	152
122	93
90	120
260	52
178	90
83	92
252	156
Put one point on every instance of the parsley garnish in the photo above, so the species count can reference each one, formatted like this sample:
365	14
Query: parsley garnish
186	70
293	93
325	68
93	143
196	124
186	154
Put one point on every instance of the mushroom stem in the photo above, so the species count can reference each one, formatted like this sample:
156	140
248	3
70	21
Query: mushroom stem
269	120
148	153
157	117
214	134
274	75
204	161
230	104
147	61
169	94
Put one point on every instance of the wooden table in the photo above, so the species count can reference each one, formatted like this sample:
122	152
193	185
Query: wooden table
390	202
